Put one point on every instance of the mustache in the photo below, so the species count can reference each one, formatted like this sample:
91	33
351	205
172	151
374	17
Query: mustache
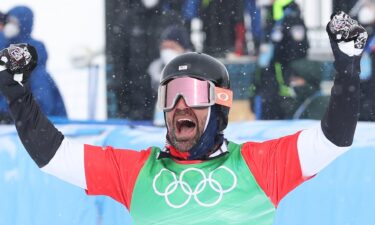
183	112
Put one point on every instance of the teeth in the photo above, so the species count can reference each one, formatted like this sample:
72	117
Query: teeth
183	120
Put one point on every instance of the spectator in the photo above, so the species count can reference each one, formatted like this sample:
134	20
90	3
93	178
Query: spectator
223	25
288	42
289	34
174	41
254	10
366	16
2	20
2	24
134	48
188	9
18	29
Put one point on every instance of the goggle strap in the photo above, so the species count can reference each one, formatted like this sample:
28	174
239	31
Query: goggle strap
223	96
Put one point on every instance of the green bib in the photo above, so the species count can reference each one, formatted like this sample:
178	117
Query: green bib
218	191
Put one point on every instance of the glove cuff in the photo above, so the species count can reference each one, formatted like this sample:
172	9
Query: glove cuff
10	88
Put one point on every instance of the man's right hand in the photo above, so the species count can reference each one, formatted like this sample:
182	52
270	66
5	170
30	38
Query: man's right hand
18	59
16	64
38	135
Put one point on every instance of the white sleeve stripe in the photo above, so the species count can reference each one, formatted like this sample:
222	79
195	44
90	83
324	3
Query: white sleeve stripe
68	163
316	151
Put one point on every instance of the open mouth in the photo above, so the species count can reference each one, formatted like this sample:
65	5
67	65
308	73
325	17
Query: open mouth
185	124
185	128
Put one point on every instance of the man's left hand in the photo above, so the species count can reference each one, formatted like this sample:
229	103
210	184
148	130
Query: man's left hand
346	34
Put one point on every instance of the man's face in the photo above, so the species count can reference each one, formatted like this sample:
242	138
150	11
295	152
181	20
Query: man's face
185	125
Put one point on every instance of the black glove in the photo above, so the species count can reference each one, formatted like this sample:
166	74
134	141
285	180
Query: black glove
40	138
16	63
346	35
18	59
348	40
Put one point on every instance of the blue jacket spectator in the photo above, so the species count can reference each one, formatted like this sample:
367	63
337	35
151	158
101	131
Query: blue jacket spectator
256	22
2	24
18	30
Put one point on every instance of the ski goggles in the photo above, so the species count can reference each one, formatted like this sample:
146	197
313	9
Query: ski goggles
196	93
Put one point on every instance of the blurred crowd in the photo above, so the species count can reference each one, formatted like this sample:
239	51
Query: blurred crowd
364	10
144	35
16	26
286	83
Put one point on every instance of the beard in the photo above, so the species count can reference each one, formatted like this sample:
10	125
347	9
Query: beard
183	145
180	143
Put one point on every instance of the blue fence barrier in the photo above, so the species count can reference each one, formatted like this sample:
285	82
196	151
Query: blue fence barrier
343	193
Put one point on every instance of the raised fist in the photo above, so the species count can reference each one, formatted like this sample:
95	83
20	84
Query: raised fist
350	36
18	59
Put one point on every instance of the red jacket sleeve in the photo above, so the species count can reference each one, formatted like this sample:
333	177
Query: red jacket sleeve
113	172
275	165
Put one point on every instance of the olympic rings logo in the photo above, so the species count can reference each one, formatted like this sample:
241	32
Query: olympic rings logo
191	192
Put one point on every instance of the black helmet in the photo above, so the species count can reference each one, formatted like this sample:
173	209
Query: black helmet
201	66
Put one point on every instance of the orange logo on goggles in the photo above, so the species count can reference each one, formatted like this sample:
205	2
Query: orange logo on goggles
223	96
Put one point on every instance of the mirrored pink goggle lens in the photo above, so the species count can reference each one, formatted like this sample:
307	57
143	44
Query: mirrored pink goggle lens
194	91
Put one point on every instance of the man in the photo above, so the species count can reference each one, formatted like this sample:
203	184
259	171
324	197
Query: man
199	177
